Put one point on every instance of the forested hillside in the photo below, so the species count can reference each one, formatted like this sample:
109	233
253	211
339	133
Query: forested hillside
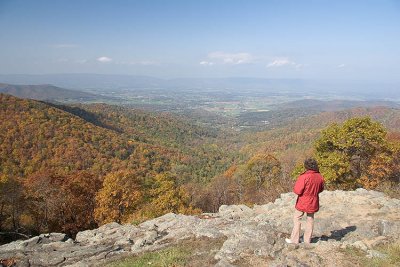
294	140
74	167
83	151
273	158
201	152
38	137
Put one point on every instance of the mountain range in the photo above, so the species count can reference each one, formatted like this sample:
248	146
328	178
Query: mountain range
89	81
47	92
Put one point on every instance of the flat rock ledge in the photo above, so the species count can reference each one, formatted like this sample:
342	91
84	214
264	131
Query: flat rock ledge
253	236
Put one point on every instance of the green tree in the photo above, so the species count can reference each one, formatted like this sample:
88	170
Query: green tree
257	178
345	151
261	171
166	196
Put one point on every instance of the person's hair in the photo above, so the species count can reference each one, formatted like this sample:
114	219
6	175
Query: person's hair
311	164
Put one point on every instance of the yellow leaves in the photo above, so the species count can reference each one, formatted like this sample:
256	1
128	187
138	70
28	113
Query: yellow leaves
125	197
119	197
3	179
164	196
345	152
261	170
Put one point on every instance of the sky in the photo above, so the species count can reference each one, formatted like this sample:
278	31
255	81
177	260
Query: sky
332	40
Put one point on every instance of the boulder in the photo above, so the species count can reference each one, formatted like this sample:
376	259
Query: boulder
235	212
251	236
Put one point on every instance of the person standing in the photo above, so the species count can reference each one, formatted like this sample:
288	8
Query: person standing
307	187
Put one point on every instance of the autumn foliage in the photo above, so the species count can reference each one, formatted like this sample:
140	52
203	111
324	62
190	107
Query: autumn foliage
120	196
70	168
357	153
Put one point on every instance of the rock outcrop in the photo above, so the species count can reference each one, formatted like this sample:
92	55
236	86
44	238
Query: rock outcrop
252	236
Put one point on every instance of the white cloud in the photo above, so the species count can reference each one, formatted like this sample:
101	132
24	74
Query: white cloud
341	66
206	63
280	62
104	59
228	58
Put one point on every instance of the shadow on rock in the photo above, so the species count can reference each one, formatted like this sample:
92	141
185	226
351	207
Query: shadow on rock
335	234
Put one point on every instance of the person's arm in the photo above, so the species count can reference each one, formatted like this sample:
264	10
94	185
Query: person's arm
322	187
299	185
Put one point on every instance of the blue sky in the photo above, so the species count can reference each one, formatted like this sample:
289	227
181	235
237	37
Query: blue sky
344	40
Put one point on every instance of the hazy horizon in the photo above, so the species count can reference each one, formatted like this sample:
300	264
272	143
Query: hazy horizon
311	40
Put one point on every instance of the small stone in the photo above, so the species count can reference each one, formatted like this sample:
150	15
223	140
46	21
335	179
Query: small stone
292	247
138	244
58	237
223	263
380	240
361	245
344	245
70	241
125	244
375	254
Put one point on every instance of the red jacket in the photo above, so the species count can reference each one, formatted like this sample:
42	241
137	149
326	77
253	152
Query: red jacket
307	187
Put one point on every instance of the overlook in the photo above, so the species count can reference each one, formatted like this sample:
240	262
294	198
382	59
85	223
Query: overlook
349	222
199	133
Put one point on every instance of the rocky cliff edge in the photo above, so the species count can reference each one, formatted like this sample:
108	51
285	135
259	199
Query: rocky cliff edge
249	236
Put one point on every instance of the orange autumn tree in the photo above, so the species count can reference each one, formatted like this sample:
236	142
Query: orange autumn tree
81	189
56	202
120	197
12	204
383	170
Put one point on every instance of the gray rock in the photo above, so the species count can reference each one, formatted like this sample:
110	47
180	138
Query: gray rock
125	244
376	254
150	237
13	246
56	246
235	212
360	245
53	237
161	223
223	263
32	242
361	218
388	228
46	259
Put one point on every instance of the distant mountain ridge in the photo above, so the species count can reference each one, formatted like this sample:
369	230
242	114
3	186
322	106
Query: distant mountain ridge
45	92
87	81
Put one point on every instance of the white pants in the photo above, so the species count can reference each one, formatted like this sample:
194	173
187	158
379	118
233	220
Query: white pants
297	227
